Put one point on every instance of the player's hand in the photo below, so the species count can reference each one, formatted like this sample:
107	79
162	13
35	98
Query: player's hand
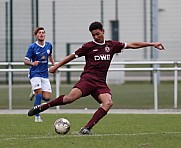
52	69
159	46
35	63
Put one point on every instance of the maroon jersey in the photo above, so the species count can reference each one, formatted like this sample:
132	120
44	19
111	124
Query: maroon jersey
98	58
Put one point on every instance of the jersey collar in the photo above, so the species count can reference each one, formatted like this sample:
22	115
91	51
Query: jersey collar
99	43
40	45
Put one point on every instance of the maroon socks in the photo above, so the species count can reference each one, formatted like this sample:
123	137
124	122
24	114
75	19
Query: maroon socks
55	102
100	113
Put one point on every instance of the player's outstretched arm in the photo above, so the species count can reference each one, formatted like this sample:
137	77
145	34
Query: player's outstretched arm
67	59
136	45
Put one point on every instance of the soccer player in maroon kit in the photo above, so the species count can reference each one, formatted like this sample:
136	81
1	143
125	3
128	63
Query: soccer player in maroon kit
98	55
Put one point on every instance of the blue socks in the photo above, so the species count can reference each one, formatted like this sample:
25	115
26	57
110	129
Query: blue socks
38	101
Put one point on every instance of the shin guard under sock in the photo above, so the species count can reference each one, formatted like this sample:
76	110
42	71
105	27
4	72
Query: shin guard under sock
100	113
55	102
38	101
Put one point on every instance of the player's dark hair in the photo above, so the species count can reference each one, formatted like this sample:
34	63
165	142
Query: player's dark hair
95	25
37	29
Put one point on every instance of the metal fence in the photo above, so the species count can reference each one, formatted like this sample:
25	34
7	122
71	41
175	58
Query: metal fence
153	69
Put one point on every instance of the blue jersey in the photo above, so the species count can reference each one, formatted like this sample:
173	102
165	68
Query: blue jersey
39	53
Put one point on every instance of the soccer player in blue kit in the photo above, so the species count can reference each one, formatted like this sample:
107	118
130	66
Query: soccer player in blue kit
98	55
37	57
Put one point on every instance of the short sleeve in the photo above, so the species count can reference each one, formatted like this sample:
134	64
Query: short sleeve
29	53
51	49
119	46
81	51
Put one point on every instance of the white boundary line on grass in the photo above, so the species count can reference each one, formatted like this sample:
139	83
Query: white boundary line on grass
75	134
91	111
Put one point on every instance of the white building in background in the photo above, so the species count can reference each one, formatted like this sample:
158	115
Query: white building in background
72	19
74	16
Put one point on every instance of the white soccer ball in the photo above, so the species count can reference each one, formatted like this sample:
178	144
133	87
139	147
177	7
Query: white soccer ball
62	126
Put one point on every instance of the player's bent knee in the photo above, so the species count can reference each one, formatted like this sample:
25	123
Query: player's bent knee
108	104
46	99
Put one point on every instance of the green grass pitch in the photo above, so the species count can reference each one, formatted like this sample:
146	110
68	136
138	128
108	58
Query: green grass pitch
113	131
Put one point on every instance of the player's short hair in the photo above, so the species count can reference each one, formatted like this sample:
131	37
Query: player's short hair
38	29
95	25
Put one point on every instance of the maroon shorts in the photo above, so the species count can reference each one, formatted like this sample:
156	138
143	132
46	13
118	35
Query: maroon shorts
93	88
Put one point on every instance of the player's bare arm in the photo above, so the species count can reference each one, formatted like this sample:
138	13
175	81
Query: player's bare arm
67	59
51	59
136	45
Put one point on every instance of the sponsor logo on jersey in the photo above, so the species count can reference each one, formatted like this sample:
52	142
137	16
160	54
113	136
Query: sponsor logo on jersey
43	57
102	57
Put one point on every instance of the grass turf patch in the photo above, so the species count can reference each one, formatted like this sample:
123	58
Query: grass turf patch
115	130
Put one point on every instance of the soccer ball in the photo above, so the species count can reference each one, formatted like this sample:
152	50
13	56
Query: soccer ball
62	126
